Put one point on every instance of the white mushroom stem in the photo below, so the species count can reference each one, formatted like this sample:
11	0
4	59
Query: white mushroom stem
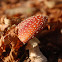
34	52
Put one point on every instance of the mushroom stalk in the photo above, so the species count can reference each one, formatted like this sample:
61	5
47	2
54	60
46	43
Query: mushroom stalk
34	52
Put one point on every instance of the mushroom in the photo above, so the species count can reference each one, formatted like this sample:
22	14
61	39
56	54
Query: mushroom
35	54
26	30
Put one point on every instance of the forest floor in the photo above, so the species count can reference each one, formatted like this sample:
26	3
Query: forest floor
50	37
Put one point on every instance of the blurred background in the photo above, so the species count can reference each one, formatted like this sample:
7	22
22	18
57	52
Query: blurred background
51	8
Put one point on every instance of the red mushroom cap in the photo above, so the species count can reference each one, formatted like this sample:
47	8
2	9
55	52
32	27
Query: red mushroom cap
29	27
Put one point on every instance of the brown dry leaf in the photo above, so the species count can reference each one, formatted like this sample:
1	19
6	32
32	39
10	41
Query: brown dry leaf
20	10
2	27
4	23
50	4
59	60
10	57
